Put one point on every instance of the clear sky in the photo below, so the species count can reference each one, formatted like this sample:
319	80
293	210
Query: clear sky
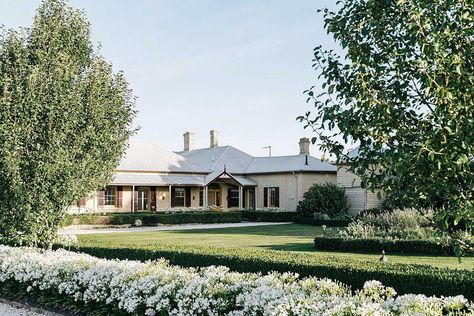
236	66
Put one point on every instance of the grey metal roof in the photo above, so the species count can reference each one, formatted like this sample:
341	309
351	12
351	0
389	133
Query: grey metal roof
154	179
240	179
288	164
146	156
215	159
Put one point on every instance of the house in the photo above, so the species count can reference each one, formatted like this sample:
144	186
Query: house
358	198
150	178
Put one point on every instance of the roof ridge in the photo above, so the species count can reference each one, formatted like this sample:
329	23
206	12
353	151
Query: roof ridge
215	163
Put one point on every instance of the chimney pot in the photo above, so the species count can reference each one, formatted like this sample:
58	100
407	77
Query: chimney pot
304	146
214	141
188	141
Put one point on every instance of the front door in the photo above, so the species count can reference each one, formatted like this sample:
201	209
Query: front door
142	200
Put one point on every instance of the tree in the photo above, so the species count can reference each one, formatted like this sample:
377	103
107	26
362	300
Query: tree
403	90
65	119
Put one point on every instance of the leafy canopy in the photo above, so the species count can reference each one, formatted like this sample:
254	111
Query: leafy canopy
65	118
404	91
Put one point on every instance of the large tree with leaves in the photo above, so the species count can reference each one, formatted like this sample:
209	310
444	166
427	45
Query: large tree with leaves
65	118
403	89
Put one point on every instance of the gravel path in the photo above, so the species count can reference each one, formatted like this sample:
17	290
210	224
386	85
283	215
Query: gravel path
86	229
6	309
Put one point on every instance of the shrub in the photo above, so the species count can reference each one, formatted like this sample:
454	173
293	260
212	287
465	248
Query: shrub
103	287
398	224
327	199
406	278
150	219
268	216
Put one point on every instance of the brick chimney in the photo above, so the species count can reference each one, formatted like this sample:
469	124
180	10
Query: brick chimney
214	141
188	141
304	146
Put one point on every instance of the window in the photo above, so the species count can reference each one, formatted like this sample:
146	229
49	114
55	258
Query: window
233	197
109	196
179	197
271	197
201	197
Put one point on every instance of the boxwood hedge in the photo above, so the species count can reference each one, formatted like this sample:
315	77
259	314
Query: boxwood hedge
376	245
405	278
150	219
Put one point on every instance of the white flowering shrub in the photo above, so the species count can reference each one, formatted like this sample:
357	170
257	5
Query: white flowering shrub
157	288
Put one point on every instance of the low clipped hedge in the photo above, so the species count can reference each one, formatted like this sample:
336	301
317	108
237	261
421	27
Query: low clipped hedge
405	278
150	219
376	245
262	216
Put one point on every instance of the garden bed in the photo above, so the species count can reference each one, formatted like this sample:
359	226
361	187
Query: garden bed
406	278
151	219
90	285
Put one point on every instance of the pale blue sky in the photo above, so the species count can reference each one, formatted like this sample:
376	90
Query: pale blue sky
236	66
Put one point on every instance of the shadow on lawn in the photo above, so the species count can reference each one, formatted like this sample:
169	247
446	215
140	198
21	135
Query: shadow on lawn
290	247
288	230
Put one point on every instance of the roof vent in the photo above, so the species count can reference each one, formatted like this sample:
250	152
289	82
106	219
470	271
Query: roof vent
188	141
214	141
304	146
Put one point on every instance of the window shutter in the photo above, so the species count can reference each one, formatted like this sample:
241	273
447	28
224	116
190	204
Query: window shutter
118	197
82	202
101	198
277	197
229	200
187	197
153	199
265	197
244	195
173	196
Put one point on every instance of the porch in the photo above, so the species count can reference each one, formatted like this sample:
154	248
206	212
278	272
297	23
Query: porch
131	193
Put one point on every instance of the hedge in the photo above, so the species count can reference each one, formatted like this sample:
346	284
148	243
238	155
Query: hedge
259	216
405	278
150	219
376	245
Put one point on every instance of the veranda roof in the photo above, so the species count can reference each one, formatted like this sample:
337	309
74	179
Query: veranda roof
147	179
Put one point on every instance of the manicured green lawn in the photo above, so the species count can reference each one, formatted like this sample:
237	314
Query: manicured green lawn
288	238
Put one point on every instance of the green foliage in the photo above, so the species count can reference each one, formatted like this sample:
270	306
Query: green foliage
406	224
65	118
403	90
262	216
406	278
152	219
325	198
390	246
403	231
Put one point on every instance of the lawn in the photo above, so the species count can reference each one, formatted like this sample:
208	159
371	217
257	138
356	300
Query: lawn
285	238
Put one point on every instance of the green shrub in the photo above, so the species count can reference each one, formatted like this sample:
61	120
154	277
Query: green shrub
150	219
320	222
262	216
406	278
398	224
376	245
327	199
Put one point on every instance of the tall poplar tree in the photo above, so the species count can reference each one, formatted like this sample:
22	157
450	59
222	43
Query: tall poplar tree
65	118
